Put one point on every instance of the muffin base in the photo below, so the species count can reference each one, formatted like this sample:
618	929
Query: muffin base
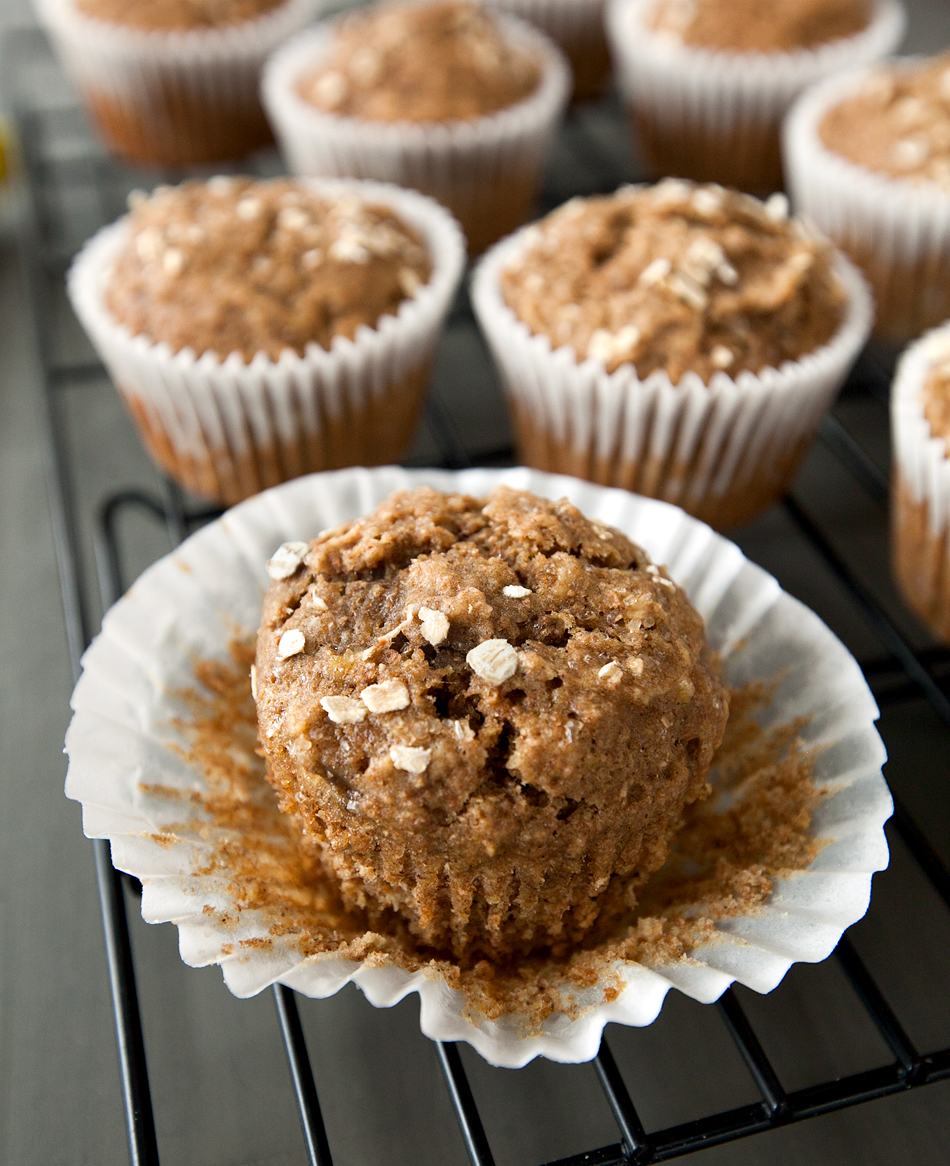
663	478
177	127
375	435
909	296
494	206
590	64
747	157
920	559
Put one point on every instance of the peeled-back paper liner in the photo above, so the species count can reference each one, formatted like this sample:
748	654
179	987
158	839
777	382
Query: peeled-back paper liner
189	604
897	229
454	160
220	409
136	67
710	440
718	95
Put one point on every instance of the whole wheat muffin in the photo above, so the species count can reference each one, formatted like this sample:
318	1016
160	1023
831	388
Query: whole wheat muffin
487	715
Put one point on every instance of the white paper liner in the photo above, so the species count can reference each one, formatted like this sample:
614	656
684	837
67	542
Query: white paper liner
466	164
212	69
577	26
923	466
189	604
733	98
221	412
707	448
899	231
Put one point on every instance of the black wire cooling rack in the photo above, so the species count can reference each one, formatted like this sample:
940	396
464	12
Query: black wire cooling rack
72	188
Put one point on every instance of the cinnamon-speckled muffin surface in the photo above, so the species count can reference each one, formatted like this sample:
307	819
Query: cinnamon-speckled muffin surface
488	716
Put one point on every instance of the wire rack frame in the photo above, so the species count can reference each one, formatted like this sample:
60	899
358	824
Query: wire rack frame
904	672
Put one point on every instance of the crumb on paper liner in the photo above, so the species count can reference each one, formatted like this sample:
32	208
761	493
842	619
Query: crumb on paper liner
771	909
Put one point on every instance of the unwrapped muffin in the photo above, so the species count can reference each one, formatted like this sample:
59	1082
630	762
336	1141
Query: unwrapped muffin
260	330
707	82
868	159
488	716
173	82
442	96
681	341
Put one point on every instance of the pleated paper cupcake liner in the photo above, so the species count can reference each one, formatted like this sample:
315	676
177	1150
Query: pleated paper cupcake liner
126	738
578	27
723	451
897	231
920	496
227	429
487	170
174	98
716	116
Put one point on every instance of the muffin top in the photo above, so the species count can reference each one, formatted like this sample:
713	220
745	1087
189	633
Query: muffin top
751	26
236	265
677	277
471	684
897	122
420	62
167	15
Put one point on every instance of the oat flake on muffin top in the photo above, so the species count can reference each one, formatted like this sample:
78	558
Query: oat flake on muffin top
236	265
759	26
420	62
168	15
677	277
897	123
488	716
936	393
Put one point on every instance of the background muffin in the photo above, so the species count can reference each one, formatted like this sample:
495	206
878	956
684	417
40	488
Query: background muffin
920	497
868	158
708	82
680	341
439	96
488	716
173	82
260	330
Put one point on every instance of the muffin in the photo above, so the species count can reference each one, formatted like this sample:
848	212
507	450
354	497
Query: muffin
440	96
173	82
868	158
707	82
681	341
577	26
920	495
488	716
261	330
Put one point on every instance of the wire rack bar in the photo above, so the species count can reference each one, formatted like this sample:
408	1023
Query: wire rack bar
139	1119
636	1145
466	1111
308	1103
877	1007
774	1099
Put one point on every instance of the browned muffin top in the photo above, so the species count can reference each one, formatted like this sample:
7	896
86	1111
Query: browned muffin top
676	277
234	265
488	715
936	398
165	15
760	26
897	122
420	62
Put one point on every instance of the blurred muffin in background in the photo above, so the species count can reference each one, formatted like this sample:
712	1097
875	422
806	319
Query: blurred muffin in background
868	159
441	96
173	82
262	330
680	341
707	82
920	497
578	27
